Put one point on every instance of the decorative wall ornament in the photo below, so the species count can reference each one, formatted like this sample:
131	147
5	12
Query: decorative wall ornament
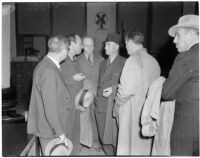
100	20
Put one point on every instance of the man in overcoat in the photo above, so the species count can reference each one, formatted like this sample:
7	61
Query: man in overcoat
182	85
73	78
139	72
110	71
48	116
89	64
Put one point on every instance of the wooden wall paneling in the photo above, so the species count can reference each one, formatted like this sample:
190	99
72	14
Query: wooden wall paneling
133	15
165	15
68	18
33	18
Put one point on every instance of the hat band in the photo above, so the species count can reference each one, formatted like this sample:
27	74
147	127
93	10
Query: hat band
54	147
82	97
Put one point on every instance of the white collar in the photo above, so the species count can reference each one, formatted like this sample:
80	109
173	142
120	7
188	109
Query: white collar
113	58
88	55
54	61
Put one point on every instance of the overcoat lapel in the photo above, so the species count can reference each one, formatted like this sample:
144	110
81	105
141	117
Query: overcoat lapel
108	70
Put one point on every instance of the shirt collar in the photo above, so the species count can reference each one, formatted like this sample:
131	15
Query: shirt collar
87	55
113	58
54	61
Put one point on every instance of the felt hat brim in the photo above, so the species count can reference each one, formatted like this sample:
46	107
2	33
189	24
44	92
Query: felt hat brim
83	101
172	31
55	148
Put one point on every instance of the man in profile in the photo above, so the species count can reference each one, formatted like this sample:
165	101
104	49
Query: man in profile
74	80
182	85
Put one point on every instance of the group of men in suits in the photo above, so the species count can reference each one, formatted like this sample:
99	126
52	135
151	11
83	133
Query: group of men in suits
57	80
119	88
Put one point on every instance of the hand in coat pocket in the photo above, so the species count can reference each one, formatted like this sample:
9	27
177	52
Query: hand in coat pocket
116	113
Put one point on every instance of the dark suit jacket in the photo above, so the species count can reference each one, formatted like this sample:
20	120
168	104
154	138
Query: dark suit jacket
48	112
183	86
108	76
70	68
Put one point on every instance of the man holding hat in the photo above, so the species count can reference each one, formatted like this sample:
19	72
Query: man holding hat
109	74
182	85
48	116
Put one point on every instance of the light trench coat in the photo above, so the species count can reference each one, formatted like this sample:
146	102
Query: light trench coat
140	70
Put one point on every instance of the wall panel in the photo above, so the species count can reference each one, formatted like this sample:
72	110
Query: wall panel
68	18
33	18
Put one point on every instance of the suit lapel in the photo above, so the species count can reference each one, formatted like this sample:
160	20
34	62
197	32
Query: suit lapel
83	58
56	69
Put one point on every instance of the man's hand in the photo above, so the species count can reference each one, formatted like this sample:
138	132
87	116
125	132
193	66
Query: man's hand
107	92
64	139
116	112
79	77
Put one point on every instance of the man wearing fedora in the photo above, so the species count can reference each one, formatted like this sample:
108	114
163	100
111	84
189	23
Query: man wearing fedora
109	74
182	85
48	116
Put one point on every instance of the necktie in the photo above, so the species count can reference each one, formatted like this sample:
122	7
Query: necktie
89	60
108	63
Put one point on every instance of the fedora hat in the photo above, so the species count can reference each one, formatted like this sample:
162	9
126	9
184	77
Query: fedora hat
56	148
114	37
186	21
83	99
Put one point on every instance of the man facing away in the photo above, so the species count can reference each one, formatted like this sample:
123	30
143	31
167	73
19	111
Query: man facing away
48	112
139	72
110	71
89	64
182	85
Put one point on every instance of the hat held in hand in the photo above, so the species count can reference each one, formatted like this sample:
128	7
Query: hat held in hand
83	99
56	148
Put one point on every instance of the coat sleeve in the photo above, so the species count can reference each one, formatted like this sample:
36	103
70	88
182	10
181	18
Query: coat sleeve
129	83
49	90
180	73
